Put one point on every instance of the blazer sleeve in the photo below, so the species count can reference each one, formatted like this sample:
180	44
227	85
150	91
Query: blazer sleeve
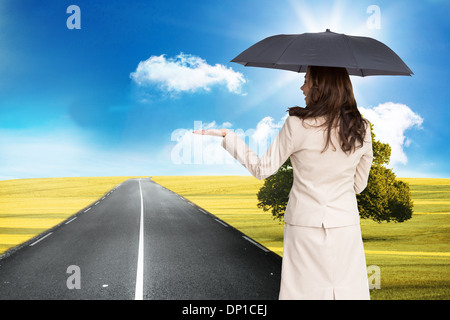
364	165
275	156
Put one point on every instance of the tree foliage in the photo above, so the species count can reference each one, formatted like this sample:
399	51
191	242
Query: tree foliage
384	199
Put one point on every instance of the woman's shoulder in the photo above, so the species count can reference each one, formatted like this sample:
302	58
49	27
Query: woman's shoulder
306	122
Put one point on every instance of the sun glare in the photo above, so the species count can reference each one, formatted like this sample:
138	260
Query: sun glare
338	16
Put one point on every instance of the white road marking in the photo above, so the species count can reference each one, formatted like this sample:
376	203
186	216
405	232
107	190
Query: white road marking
41	239
87	209
139	293
70	220
222	223
203	211
97	203
255	243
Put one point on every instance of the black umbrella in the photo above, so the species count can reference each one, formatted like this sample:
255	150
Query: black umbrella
362	56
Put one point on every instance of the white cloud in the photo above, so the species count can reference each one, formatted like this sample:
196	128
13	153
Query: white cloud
186	72
390	121
267	129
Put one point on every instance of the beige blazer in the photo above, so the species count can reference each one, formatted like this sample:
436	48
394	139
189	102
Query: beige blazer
325	184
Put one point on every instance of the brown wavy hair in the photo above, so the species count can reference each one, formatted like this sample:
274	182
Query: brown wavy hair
331	96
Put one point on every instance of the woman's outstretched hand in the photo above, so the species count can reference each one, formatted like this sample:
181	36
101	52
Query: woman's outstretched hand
212	132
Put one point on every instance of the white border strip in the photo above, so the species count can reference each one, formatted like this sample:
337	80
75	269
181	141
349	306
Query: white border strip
256	244
222	223
70	220
41	239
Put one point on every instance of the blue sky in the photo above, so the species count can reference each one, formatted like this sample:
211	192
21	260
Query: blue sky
120	95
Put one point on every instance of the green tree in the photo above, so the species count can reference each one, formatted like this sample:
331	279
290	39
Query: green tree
274	194
384	199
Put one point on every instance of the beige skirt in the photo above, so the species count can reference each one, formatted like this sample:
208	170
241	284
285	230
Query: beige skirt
323	264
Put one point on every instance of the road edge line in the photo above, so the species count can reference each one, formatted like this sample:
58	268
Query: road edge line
139	291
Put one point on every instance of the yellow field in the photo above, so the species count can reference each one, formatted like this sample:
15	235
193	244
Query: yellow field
414	256
30	206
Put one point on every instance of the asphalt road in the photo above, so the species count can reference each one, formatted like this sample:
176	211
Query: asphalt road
141	241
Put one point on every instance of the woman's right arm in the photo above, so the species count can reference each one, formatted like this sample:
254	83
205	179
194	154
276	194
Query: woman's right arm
277	154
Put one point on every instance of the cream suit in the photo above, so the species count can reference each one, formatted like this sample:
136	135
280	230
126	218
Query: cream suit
323	256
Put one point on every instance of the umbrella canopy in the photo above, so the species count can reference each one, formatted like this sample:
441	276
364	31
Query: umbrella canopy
362	56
